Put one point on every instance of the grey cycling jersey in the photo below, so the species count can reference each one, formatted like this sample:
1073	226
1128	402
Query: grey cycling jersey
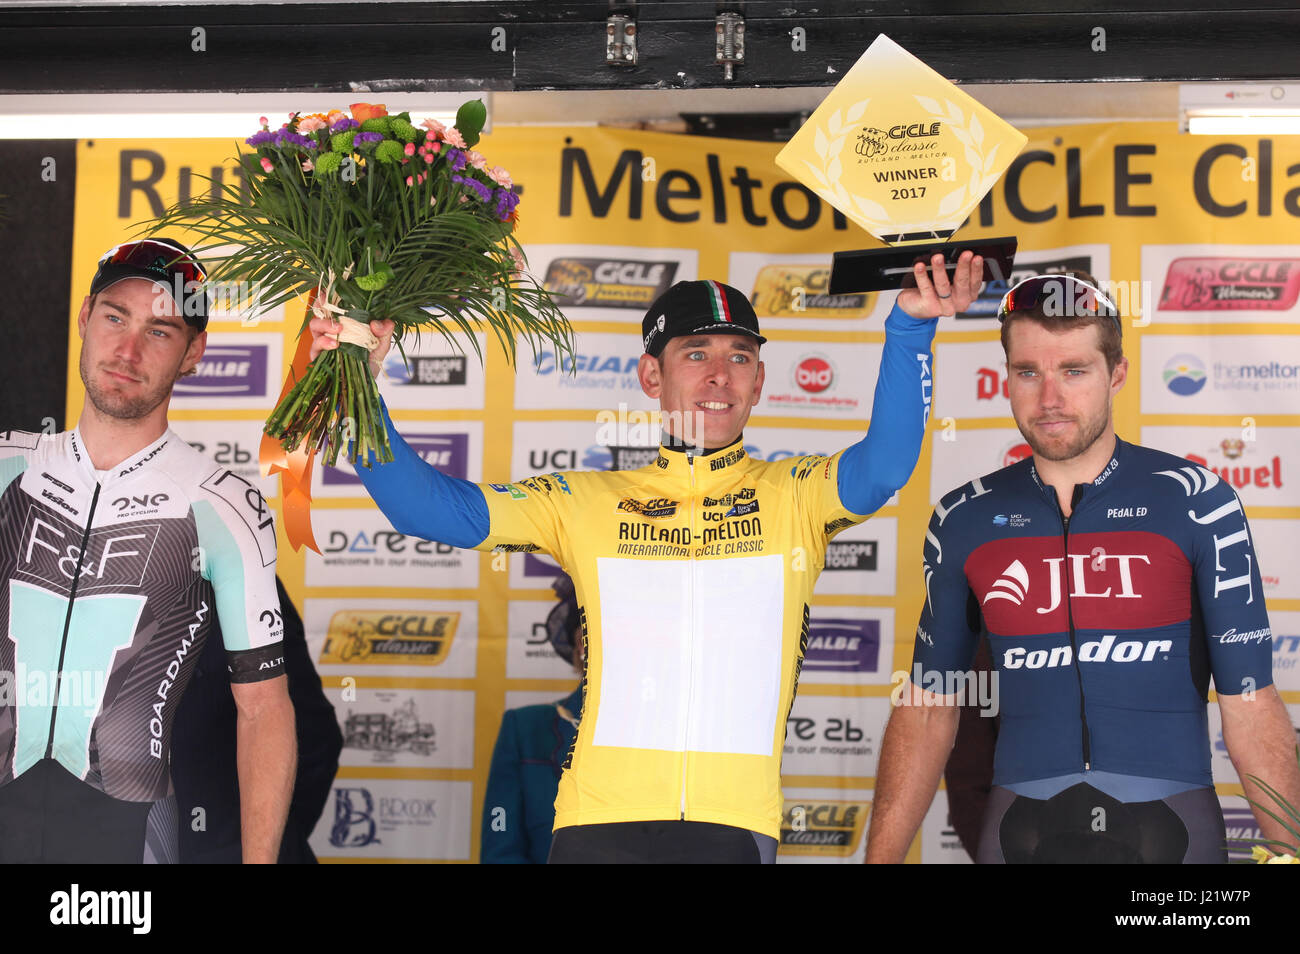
110	586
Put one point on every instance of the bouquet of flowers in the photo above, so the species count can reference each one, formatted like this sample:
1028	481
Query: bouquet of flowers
375	217
1277	852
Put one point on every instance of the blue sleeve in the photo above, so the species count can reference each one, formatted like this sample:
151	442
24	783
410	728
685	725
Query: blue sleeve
948	631
421	501
504	835
878	465
1230	590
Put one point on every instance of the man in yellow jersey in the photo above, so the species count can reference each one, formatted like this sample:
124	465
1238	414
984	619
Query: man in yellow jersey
693	574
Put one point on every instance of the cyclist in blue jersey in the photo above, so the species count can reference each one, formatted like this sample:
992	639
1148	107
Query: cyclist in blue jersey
119	546
1113	581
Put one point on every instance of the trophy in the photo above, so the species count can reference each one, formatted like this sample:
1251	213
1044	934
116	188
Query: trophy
908	156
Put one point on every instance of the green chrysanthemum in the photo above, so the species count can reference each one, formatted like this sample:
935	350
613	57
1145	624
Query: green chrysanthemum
342	142
389	151
328	163
402	129
379	124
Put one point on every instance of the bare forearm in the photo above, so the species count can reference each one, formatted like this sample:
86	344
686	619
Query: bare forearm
915	748
1262	743
267	761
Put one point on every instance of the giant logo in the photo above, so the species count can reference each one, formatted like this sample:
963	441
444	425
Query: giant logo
606	365
227	371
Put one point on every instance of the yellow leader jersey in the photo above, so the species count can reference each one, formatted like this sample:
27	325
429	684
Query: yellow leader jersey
694	576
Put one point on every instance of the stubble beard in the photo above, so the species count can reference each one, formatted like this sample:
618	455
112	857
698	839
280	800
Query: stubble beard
1090	431
118	406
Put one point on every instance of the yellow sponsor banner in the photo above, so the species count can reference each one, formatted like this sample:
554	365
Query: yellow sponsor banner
826	827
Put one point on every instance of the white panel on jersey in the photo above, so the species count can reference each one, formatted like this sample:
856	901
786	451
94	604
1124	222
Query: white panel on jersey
718	664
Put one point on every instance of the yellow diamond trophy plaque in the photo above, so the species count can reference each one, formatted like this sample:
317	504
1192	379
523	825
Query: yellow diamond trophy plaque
908	156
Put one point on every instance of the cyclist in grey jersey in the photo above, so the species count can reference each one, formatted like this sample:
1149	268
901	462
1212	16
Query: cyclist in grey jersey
119	547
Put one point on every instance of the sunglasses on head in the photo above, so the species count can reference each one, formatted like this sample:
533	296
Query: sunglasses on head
1074	297
157	257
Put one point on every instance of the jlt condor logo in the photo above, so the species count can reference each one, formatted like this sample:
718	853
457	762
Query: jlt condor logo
1013	584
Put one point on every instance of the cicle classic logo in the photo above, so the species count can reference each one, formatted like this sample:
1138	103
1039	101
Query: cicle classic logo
608	282
1184	374
873	141
814	374
655	508
1231	284
802	291
389	638
830	828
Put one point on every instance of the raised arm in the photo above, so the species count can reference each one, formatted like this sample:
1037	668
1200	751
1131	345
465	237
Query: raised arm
874	468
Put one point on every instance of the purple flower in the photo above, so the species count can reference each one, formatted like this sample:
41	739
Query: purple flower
287	138
482	191
367	137
261	138
456	157
506	202
343	125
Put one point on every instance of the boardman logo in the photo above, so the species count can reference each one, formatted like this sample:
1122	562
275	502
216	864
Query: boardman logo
1012	585
1184	374
227	371
386	638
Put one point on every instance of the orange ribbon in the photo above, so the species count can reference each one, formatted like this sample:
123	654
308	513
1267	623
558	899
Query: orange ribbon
294	467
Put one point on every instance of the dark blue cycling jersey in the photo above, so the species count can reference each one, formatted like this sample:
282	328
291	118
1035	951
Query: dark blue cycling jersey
1105	627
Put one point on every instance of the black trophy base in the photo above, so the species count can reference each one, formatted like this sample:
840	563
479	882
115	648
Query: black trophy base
880	269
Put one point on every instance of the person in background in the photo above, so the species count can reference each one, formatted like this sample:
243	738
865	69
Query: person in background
534	741
203	753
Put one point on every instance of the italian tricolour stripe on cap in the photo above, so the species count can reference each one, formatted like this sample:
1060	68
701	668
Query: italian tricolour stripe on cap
720	310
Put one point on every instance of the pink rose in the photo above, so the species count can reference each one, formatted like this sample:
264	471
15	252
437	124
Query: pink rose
267	165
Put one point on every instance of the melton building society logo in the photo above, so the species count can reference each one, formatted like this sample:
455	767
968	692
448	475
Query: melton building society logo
608	282
427	370
389	638
843	645
448	453
227	371
803	291
1184	374
822	827
1231	284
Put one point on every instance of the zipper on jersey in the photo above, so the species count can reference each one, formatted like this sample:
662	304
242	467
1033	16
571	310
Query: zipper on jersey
690	636
1074	643
67	621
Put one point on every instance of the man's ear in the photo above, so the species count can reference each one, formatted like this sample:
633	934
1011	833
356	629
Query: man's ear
758	384
194	353
650	375
83	316
1119	376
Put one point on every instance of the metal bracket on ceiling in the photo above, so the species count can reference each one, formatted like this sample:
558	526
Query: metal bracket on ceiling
620	40
730	46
